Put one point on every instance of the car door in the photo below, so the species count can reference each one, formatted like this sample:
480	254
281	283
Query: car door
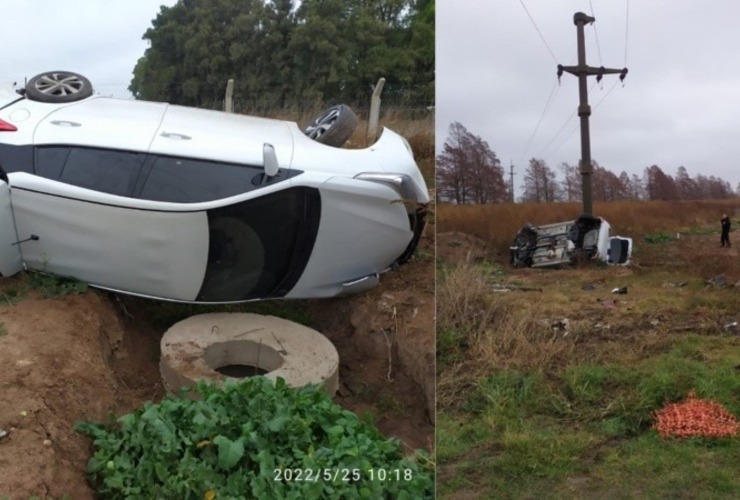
78	201
620	251
10	255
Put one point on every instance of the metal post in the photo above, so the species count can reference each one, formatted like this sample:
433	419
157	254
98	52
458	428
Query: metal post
511	180
372	123
229	97
582	71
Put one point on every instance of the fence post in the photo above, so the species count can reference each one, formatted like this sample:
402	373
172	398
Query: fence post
372	122
229	97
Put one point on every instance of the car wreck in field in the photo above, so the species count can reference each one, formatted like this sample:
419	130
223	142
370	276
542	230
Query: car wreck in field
585	238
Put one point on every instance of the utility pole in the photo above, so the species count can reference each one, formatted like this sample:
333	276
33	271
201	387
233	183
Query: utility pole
582	71
511	180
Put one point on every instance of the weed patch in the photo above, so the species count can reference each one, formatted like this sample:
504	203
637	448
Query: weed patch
54	287
659	238
548	426
255	437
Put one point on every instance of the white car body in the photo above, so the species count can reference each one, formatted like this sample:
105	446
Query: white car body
174	203
563	242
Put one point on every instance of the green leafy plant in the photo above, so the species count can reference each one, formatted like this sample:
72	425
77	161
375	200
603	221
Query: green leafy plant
659	238
52	286
251	439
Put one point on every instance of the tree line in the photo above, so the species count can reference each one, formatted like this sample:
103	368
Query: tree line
285	53
468	171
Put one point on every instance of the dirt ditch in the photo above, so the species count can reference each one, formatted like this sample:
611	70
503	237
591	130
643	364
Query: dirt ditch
94	357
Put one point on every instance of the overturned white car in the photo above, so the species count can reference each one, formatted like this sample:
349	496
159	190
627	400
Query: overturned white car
566	242
194	205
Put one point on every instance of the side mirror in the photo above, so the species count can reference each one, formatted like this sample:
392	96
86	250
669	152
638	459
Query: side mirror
270	160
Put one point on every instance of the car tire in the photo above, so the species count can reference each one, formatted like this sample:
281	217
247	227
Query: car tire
58	87
334	126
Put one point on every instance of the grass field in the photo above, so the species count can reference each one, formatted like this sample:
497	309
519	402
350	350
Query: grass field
552	393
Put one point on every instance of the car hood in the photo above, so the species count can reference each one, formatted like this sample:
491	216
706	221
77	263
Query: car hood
390	154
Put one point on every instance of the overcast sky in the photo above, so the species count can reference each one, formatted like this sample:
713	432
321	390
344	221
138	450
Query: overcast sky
680	104
98	39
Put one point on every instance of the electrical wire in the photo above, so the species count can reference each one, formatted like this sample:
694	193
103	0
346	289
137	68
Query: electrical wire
562	128
607	94
596	33
565	139
626	32
538	31
542	116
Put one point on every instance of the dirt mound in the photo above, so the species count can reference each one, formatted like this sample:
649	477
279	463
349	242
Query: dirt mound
64	360
95	356
386	343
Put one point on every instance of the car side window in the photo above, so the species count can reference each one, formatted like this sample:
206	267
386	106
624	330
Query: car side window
16	158
182	180
108	171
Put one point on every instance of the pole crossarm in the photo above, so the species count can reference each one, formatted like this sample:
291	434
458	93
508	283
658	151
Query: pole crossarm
592	71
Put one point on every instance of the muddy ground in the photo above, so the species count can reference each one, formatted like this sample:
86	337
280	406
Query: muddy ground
94	356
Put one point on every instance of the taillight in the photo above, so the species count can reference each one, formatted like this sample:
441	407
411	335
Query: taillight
7	127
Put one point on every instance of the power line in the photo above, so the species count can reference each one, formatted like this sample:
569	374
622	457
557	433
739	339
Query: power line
626	32
539	32
565	139
565	124
539	122
596	34
607	94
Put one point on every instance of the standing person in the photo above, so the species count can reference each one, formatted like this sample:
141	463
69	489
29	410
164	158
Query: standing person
725	230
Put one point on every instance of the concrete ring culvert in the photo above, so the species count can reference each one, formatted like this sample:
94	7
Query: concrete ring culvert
217	346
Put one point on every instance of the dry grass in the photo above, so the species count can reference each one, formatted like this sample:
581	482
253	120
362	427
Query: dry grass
498	223
479	333
538	388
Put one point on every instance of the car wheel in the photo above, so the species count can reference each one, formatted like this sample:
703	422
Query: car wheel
334	126
58	87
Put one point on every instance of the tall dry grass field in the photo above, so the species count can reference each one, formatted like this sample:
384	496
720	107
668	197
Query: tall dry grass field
499	223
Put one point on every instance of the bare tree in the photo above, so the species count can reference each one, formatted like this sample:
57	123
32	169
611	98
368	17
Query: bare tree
468	171
572	182
659	185
540	182
606	185
686	187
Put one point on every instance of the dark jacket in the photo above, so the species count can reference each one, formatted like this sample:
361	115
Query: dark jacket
725	224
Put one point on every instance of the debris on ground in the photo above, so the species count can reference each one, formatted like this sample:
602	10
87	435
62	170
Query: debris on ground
620	290
695	417
561	325
717	281
731	327
514	288
589	287
679	284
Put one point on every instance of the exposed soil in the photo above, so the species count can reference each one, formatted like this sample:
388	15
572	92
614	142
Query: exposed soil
93	356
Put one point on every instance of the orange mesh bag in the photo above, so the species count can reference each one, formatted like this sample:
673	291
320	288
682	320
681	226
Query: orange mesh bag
695	417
